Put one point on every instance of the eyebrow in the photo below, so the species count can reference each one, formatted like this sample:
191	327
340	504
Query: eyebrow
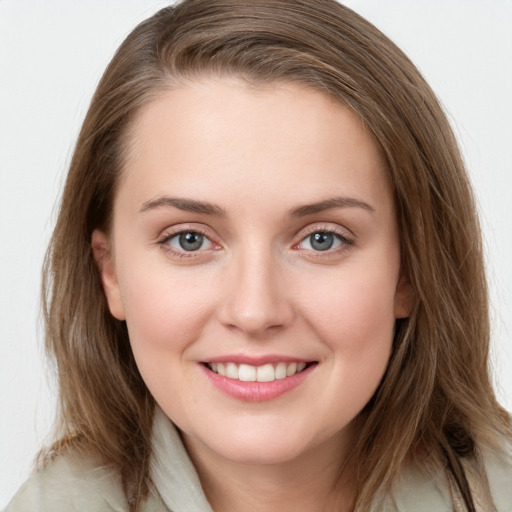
329	204
204	207
187	205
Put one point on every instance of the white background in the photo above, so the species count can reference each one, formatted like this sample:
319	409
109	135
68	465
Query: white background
52	54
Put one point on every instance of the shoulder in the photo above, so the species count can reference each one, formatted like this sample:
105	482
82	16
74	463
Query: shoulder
71	483
498	467
419	490
490	479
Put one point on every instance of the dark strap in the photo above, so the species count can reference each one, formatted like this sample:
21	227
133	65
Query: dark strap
479	485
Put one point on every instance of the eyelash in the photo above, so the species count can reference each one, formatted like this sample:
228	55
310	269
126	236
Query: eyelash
167	237
345	242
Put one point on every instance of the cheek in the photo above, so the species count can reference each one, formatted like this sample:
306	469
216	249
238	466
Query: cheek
355	320
353	309
165	313
357	326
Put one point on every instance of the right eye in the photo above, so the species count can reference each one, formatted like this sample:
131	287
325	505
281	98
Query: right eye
188	241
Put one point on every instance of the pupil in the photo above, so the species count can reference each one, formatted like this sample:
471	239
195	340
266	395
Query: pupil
191	241
321	241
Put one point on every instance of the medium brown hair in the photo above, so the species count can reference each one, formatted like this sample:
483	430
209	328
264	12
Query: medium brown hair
435	403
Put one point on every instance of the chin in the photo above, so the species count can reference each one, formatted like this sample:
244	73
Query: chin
263	455
260	447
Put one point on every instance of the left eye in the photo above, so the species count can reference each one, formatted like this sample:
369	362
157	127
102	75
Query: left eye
321	241
189	241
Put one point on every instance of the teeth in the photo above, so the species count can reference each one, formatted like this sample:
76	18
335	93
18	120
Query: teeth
232	371
291	369
265	373
247	373
281	371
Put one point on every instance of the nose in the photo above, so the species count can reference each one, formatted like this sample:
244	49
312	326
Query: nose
256	301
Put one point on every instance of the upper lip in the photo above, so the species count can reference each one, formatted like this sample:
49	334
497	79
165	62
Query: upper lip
256	360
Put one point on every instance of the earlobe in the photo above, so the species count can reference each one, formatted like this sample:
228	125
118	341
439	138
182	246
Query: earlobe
403	297
103	257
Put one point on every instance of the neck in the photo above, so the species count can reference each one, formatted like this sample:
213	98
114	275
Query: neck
306	483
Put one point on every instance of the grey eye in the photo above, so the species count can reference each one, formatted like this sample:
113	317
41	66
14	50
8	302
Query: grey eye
189	241
321	241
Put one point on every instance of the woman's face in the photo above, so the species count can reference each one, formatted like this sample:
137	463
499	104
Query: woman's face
254	233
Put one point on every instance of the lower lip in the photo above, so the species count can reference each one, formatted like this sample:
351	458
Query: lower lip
257	391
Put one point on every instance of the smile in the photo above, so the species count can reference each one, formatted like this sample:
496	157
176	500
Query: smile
257	383
249	373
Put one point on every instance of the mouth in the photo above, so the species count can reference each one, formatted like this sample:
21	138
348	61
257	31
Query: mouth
265	373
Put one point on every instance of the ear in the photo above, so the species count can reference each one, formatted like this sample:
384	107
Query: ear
403	297
103	256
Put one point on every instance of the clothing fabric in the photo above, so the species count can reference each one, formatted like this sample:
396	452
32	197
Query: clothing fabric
72	484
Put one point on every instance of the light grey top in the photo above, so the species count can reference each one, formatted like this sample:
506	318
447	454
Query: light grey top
71	484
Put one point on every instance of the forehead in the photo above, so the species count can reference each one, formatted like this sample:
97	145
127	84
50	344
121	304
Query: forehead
222	135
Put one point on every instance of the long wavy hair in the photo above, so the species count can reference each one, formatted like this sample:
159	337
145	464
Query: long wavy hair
435	403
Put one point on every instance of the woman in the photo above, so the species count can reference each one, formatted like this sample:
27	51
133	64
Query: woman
268	238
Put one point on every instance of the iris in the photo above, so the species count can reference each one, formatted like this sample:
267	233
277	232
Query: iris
321	241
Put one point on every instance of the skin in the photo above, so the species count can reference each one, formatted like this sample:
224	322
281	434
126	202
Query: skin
257	286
